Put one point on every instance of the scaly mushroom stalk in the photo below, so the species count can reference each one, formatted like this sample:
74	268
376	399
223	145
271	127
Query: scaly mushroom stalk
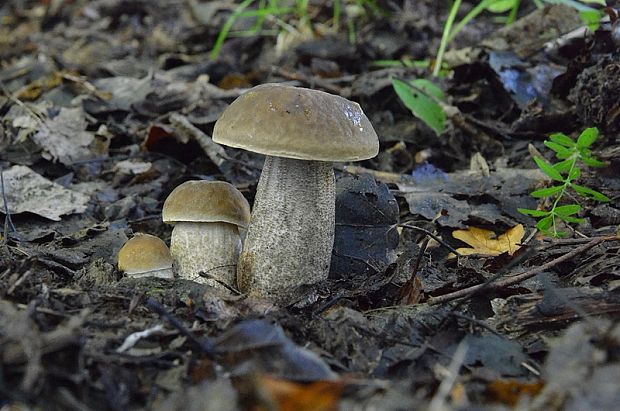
302	132
208	248
207	216
291	229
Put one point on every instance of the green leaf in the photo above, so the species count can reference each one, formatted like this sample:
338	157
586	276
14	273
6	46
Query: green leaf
589	193
563	139
592	162
574	174
570	219
421	105
560	150
599	2
578	4
591	18
545	223
564	166
567	210
546	192
587	137
564	155
533	213
429	88
502	6
548	169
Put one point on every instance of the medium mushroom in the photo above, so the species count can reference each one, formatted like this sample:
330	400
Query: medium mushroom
301	131
205	239
145	255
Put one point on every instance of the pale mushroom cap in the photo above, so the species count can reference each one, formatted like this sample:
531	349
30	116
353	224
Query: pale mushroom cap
300	123
143	253
208	202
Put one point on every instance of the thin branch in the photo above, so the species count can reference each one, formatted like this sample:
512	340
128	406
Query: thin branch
431	235
205	345
408	294
8	221
515	279
309	81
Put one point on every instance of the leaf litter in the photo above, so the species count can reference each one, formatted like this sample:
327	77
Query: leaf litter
103	120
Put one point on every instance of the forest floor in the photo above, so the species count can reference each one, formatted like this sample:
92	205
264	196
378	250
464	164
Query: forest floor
108	105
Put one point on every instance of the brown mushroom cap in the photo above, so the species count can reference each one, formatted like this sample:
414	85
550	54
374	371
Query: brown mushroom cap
206	201
143	253
300	123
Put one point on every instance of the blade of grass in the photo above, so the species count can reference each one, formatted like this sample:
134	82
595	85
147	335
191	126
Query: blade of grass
445	36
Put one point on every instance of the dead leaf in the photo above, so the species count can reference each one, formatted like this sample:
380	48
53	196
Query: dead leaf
484	241
411	292
65	138
291	396
28	191
39	86
510	391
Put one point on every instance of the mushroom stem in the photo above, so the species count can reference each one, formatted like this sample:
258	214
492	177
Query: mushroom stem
291	232
209	248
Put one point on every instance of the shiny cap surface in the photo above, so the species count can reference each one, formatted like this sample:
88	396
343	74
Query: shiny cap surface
299	123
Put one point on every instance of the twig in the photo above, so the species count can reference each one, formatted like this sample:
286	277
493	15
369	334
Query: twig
519	277
476	321
44	310
409	293
556	242
205	274
205	345
18	282
439	402
8	221
20	103
385	176
214	151
431	235
132	339
309	81
241	163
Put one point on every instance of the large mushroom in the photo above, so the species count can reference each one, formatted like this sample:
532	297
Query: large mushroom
302	132
205	241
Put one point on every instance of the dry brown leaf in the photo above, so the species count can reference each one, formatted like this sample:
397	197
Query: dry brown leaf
33	90
292	396
484	241
510	391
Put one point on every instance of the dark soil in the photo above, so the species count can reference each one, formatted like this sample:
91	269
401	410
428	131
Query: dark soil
108	105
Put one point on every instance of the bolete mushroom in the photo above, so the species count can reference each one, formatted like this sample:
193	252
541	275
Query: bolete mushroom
205	239
145	255
301	131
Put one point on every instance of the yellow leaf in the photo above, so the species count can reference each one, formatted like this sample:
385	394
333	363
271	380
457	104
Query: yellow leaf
484	241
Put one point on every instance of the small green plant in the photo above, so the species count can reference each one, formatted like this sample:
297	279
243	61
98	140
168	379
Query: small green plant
424	99
281	13
572	154
411	98
264	10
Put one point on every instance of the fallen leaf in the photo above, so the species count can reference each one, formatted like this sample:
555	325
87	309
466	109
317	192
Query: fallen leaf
510	391
291	396
65	137
27	191
34	90
411	292
484	241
